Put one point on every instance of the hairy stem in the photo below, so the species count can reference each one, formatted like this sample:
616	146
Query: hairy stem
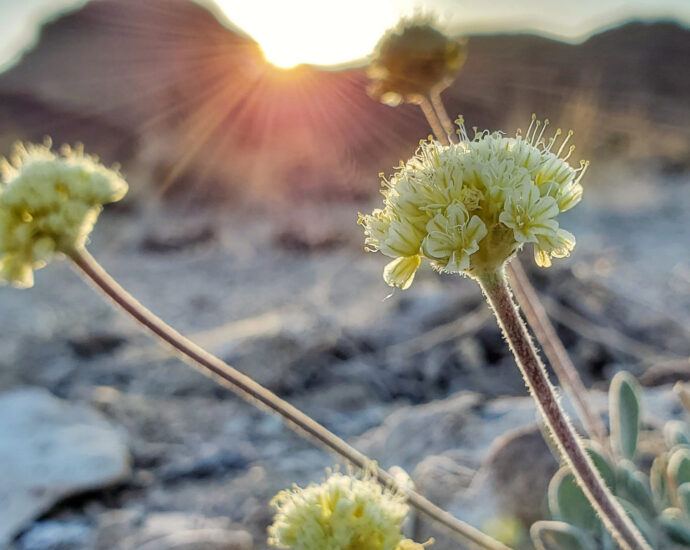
555	352
497	291
254	393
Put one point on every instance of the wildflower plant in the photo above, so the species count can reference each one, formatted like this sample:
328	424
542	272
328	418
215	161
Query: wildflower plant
49	203
343	512
657	498
415	62
468	208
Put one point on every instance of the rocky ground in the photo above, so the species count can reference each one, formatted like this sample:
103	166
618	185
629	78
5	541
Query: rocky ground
112	443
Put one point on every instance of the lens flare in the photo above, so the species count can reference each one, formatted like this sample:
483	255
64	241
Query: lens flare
312	31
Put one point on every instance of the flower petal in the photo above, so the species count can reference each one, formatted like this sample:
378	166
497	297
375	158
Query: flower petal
401	271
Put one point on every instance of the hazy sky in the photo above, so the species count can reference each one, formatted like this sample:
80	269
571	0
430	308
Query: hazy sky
20	19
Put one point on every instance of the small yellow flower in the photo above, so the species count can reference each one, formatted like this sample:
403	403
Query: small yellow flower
342	513
452	237
48	204
468	207
402	271
413	59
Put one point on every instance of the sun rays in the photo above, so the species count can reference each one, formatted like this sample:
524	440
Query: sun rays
200	104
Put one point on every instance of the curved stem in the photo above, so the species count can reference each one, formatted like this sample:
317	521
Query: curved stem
497	291
254	393
555	352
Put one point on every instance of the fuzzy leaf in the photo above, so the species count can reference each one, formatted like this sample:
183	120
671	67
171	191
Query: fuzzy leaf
633	512
558	535
676	432
601	464
624	410
671	521
633	485
568	503
679	466
684	498
658	481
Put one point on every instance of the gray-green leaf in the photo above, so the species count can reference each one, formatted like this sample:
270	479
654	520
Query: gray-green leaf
625	410
677	530
633	485
679	466
568	503
558	535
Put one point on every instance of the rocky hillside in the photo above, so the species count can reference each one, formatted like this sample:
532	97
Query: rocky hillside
164	86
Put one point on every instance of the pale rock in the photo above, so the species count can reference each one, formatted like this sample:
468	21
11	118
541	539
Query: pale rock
49	450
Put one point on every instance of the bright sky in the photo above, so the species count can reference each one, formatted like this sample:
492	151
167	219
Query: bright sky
332	32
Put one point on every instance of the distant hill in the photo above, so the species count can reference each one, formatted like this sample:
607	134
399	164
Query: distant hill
182	100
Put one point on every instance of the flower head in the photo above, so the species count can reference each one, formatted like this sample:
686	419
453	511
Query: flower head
49	203
342	513
413	59
469	206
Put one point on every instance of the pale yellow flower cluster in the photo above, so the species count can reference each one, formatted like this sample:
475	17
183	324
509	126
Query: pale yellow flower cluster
468	207
342	513
48	204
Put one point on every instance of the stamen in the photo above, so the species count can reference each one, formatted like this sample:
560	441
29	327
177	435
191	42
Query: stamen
543	128
567	138
553	139
533	141
462	131
570	152
534	117
584	164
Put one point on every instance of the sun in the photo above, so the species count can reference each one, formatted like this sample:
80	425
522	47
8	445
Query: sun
314	32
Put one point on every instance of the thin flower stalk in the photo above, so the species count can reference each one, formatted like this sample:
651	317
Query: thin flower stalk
497	291
555	352
254	393
433	120
437	103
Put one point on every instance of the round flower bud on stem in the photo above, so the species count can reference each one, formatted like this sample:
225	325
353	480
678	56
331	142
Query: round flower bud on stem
412	61
467	207
49	203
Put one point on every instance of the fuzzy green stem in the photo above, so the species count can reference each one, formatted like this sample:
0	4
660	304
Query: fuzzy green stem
254	393
555	352
497	291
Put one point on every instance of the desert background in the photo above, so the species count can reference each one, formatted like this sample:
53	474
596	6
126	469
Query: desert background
240	231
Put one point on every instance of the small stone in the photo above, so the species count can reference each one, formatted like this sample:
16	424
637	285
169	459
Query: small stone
202	539
57	535
49	450
174	531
